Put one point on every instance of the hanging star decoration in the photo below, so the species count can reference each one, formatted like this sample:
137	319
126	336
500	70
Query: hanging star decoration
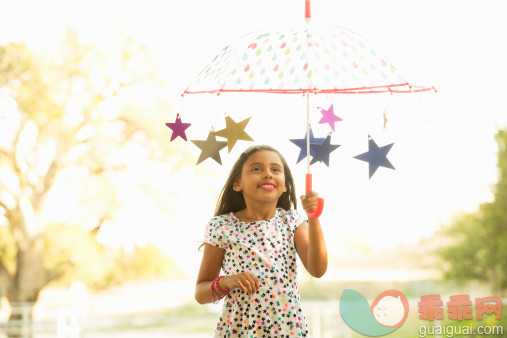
301	143
234	131
210	148
323	150
376	156
328	116
178	128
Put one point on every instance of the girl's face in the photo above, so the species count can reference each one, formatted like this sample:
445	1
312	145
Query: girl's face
262	178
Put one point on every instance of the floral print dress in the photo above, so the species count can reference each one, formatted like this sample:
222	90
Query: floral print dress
265	249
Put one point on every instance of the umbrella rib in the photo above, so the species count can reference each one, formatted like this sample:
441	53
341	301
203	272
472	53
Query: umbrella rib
395	88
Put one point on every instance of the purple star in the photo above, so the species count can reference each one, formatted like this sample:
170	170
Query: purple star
178	128
328	116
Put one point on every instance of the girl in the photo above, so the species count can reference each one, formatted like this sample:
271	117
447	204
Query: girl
254	239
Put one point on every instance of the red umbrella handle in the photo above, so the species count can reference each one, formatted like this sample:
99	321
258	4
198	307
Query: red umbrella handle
320	204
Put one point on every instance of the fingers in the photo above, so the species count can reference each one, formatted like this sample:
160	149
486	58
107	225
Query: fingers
247	282
242	287
310	201
312	194
257	284
252	283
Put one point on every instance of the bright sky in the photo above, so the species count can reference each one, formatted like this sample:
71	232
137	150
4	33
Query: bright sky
443	166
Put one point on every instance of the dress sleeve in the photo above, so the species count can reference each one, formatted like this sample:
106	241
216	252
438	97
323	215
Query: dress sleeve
215	233
295	219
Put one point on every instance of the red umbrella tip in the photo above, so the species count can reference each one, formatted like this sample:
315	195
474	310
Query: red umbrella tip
308	13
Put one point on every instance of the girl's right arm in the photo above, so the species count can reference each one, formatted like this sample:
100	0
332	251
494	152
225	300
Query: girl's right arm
210	268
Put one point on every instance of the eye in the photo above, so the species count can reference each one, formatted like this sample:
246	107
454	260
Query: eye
256	169
277	170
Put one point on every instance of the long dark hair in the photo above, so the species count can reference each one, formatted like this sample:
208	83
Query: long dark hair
233	201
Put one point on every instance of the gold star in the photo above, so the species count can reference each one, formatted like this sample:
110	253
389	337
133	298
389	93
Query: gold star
234	131
210	148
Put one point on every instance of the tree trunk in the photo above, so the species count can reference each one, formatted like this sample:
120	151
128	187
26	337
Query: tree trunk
29	280
20	321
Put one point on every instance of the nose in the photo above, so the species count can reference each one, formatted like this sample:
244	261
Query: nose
268	174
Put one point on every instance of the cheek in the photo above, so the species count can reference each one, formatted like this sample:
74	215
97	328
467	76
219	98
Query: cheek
282	180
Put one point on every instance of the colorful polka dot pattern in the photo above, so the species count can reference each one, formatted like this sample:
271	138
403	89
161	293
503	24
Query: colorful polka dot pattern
265	249
302	57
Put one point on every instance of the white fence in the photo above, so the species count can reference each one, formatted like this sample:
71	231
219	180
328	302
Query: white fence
70	323
77	317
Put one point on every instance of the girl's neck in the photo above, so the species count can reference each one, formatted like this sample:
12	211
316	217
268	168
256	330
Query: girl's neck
255	214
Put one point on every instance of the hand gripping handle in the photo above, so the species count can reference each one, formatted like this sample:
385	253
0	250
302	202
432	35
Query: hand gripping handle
320	204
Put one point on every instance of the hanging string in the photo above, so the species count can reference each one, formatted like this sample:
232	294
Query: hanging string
331	105
180	111
386	108
429	119
217	112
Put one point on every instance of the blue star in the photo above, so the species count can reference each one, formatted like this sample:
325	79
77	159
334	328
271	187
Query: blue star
322	151
301	143
376	156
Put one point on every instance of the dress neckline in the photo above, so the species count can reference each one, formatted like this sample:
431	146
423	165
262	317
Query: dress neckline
264	220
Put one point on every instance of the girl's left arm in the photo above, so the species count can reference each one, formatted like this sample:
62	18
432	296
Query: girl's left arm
309	240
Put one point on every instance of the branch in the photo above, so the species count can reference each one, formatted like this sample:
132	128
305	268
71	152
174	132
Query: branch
6	279
96	230
48	180
51	275
14	157
19	232
7	210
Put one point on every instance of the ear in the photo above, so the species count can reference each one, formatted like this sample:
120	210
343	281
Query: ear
236	186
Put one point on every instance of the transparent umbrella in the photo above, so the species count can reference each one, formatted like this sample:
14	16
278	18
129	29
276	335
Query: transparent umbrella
302	59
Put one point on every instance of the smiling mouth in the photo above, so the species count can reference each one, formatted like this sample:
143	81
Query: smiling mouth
267	186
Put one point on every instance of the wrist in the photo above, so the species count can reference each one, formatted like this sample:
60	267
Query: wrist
223	284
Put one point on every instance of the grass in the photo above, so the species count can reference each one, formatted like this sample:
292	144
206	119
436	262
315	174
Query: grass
195	318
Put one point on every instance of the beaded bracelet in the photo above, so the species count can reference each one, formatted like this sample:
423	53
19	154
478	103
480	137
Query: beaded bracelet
218	286
212	293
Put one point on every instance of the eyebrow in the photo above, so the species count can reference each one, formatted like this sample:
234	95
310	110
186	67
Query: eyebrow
259	163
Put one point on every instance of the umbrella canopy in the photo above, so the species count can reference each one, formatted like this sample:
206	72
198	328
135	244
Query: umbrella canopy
302	58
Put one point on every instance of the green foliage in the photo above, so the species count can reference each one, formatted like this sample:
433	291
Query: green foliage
144	262
27	73
478	251
82	110
76	253
7	248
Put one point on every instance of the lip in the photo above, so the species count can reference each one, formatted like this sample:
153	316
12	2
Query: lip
267	186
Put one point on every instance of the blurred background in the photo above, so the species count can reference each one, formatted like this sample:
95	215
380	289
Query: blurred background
101	215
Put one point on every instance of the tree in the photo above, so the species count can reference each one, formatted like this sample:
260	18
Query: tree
479	240
64	115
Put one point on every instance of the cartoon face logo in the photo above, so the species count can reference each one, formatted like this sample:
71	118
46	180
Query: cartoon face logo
387	312
388	308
